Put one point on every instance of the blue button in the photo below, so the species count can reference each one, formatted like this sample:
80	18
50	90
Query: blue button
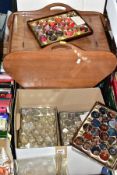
106	171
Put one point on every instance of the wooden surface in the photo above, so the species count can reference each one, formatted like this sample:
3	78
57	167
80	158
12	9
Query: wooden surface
21	38
59	66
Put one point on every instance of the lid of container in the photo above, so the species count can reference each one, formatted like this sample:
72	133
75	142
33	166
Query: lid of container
59	65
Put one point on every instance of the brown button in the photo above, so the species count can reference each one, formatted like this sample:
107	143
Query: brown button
78	140
87	145
104	127
104	136
104	155
87	127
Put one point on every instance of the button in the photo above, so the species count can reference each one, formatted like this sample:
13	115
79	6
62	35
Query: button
113	123
102	110
95	141
88	136
103	146
43	38
53	37
111	114
104	155
59	33
95	131
112	140
112	151
105	171
87	145
95	150
112	132
105	119
78	140
95	123
104	136
87	127
104	127
95	114
50	32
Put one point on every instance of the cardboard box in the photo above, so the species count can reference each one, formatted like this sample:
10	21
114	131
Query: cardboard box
64	99
77	163
59	66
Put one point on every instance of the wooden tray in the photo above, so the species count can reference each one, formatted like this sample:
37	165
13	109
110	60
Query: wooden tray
59	66
65	26
21	38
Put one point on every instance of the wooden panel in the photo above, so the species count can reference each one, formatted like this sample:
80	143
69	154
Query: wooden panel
21	38
59	66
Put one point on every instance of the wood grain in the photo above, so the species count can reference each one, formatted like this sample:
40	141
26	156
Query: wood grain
59	66
21	38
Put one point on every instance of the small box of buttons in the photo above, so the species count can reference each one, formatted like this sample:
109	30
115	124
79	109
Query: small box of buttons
38	127
69	122
59	27
97	136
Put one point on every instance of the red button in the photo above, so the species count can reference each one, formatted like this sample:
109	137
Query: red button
104	155
88	136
